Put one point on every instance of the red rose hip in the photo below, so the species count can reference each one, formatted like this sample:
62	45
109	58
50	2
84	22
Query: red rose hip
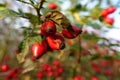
52	6
39	49
94	78
108	20
71	34
111	10
48	28
40	75
104	13
4	68
56	42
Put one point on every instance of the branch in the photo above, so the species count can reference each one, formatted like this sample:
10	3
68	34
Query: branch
27	3
39	6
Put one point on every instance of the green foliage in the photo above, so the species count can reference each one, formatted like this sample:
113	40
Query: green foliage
96	56
32	18
79	55
24	46
8	13
29	65
24	49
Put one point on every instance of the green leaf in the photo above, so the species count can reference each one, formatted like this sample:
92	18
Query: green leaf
109	58
35	39
87	37
24	46
96	56
32	18
114	44
2	53
8	13
45	11
102	77
28	66
117	57
2	6
26	30
76	8
24	49
95	25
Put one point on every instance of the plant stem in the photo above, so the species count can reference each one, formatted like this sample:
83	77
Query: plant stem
27	3
79	59
39	6
38	14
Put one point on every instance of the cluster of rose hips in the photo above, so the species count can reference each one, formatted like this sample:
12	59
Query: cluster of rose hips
51	71
81	78
11	74
53	40
105	14
104	65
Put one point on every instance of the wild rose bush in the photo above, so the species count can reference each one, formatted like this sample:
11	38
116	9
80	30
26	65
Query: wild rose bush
56	43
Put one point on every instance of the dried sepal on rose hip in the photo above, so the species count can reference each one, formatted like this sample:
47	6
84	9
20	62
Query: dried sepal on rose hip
56	42
48	28
39	49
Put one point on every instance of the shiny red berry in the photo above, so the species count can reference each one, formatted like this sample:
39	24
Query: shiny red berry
104	13
48	28
56	63
39	49
4	68
78	78
52	6
105	64
67	34
108	20
49	69
94	78
59	71
40	75
56	42
111	10
108	73
13	74
45	67
50	73
75	31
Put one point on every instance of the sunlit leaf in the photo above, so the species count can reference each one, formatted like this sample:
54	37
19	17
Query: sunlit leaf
24	49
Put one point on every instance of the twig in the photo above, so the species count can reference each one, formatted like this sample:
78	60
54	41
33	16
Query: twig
27	3
39	6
